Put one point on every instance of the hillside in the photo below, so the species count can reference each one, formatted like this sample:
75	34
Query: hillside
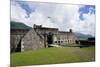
80	35
18	25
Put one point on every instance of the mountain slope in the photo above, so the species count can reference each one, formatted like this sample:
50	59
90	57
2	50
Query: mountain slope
18	25
80	35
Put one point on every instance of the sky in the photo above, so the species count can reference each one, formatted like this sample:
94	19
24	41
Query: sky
79	18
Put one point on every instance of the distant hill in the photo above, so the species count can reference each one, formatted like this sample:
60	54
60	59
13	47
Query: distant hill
18	25
80	35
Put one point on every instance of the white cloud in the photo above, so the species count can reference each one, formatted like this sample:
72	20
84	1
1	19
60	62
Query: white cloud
88	25
61	16
40	19
17	13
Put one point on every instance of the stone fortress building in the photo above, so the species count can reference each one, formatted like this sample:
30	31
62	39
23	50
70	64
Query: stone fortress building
39	37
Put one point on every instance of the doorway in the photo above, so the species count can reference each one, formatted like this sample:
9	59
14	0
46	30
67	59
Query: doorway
50	38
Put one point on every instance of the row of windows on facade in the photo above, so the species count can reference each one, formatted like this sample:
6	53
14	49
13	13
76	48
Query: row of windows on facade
65	41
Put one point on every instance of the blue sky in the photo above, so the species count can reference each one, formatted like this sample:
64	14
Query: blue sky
26	7
85	10
80	18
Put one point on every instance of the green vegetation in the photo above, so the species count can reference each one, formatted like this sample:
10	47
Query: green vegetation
83	38
18	25
53	56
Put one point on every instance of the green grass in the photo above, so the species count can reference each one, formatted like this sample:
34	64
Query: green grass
53	56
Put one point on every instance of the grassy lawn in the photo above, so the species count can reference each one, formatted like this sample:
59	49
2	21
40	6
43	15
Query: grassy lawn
53	56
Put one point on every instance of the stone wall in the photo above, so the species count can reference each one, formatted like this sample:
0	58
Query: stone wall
32	41
15	39
65	38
